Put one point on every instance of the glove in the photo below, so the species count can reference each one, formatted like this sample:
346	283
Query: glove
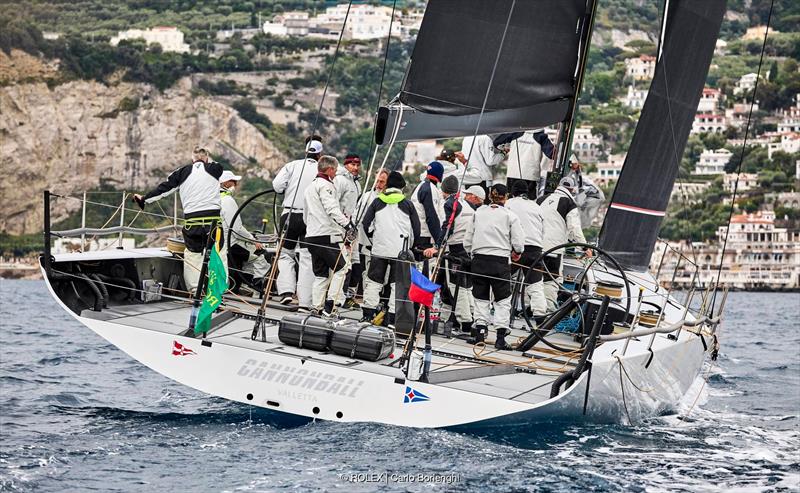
350	234
139	200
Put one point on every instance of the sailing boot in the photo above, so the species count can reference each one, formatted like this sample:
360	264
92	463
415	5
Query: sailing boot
478	334
328	310
500	342
367	314
390	320
466	329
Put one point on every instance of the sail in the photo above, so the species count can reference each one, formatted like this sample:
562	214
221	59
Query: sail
643	190
454	55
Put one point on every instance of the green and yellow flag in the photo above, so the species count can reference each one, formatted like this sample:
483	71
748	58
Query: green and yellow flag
217	284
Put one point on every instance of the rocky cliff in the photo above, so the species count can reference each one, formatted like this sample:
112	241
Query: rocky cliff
74	136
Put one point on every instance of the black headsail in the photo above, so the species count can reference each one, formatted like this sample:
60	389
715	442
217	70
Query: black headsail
534	84
640	199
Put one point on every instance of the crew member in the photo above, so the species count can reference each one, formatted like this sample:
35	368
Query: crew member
525	159
389	221
459	209
496	235
562	224
589	197
482	159
348	191
364	243
427	199
328	235
530	217
245	255
293	181
198	187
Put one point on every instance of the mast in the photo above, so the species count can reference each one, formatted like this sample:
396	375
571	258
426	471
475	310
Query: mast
565	145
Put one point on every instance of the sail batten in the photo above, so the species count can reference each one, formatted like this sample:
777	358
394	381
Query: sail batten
645	184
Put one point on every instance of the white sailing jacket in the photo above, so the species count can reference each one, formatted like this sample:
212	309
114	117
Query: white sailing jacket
348	191
462	220
427	199
239	232
562	219
495	231
530	217
525	158
293	180
482	161
322	213
389	220
198	186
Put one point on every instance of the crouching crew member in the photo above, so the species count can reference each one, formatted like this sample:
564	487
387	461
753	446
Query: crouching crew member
389	220
328	235
530	217
562	224
496	236
245	255
198	186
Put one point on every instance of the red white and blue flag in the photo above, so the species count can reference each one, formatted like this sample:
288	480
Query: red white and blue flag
422	289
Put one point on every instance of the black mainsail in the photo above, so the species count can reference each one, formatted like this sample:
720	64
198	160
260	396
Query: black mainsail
639	202
534	84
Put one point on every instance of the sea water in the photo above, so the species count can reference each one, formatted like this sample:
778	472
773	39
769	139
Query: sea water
77	414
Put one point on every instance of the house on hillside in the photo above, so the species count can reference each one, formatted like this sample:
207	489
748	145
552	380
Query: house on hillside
610	170
747	82
419	153
707	122
712	162
170	38
747	181
789	143
586	146
790	121
641	68
634	98
709	101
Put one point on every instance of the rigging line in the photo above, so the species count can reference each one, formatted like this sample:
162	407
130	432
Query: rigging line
741	155
285	227
434	271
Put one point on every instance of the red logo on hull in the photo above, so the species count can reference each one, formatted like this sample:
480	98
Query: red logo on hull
179	349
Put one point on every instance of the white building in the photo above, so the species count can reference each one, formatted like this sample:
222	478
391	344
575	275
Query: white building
170	38
363	22
712	162
245	34
746	83
721	47
276	28
296	23
586	146
709	101
610	170
791	117
641	68
747	181
789	142
706	122
634	98
419	153
690	191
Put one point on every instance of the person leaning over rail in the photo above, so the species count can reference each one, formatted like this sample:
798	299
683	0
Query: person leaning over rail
245	254
348	191
329	235
198	188
496	235
389	220
293	181
562	224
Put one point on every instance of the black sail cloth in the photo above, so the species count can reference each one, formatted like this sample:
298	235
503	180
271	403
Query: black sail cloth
455	53
643	190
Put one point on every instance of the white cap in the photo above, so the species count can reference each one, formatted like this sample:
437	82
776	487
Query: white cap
567	183
228	176
476	191
314	147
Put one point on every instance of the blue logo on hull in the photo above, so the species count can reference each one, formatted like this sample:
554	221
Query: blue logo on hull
414	396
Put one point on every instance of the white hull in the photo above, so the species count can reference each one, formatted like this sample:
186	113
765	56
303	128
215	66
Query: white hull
337	389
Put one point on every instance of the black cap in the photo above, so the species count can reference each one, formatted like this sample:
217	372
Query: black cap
447	155
519	188
395	180
500	189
